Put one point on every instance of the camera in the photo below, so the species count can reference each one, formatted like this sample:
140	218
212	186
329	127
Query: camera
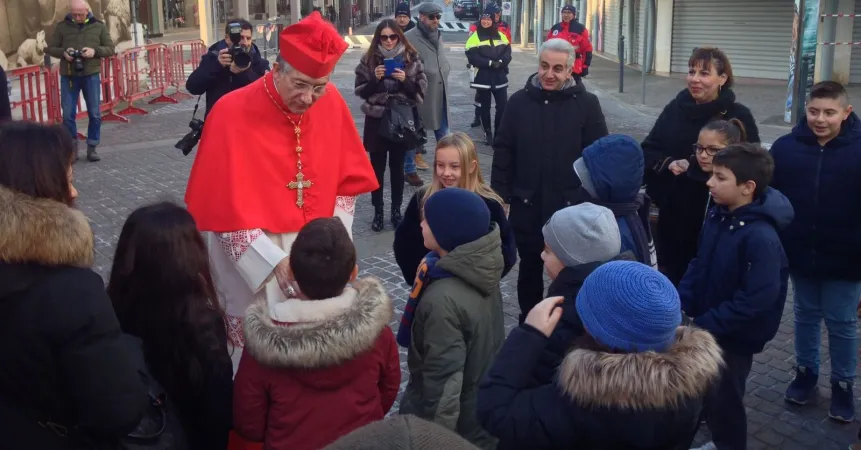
77	60
187	143
241	55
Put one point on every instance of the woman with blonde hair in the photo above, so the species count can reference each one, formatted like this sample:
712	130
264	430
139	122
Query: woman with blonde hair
455	165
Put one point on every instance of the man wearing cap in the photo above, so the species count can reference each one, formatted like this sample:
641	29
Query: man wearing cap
427	40
412	159
402	17
574	32
273	156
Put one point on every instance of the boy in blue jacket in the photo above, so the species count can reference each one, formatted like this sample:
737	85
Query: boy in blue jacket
736	286
818	167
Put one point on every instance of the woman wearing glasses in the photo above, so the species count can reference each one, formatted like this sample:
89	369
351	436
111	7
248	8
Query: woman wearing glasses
389	73
678	154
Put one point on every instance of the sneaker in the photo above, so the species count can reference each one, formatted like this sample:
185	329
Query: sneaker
420	163
802	387
842	402
708	446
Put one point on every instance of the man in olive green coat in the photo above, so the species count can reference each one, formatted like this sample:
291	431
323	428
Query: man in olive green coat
81	41
453	322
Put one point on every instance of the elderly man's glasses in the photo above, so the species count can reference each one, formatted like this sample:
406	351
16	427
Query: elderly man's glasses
434	16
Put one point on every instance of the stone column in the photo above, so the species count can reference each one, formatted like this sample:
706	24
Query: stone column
240	9
271	8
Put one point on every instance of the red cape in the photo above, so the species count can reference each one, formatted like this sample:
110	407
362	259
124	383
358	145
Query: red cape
247	156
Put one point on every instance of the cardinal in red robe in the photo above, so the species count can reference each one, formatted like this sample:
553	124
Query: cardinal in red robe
274	155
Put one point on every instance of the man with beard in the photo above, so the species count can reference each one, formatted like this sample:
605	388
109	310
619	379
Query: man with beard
427	40
544	129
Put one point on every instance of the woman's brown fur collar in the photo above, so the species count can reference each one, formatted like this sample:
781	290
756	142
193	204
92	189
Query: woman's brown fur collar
43	232
649	380
328	342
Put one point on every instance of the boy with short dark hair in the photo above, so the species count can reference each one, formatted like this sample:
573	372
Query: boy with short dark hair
736	286
324	364
818	167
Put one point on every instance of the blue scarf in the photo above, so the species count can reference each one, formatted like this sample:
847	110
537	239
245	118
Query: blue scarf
426	273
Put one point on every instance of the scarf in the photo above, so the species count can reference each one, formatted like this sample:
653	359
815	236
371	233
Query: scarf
395	51
426	273
432	36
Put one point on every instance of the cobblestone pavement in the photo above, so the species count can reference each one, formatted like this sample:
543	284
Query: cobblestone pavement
140	166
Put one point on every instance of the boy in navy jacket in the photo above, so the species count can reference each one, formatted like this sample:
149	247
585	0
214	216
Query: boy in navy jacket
736	286
818	167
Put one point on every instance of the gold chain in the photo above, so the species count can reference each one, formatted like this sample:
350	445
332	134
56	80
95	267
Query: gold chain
297	129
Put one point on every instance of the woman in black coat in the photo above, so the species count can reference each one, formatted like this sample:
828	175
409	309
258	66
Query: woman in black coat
708	97
67	373
377	87
162	290
455	165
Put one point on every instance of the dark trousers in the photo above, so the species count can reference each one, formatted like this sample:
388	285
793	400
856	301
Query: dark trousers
501	98
725	414
396	175
530	274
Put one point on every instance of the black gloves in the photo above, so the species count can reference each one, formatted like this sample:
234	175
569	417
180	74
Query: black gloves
495	64
584	72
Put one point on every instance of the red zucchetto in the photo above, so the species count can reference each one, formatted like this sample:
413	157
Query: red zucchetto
312	46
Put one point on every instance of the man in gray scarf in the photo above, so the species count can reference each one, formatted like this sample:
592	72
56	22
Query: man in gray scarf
426	38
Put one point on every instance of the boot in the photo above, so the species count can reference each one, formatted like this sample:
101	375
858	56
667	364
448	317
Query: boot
397	218
92	156
377	225
420	162
802	387
842	402
475	122
77	152
414	180
488	136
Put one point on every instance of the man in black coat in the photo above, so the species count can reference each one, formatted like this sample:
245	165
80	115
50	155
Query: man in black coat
544	129
218	74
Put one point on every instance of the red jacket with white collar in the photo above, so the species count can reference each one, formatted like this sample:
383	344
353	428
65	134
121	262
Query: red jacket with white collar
577	34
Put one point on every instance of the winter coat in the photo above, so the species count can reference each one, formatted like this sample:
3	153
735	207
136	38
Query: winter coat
65	361
736	286
567	284
577	35
677	130
615	170
410	26
317	370
456	332
684	208
599	400
436	68
824	186
215	80
542	134
91	34
5	105
484	47
409	244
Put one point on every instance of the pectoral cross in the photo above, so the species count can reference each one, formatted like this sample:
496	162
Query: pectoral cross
299	185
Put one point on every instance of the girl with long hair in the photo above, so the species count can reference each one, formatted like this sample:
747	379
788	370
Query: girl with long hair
455	165
163	293
70	380
379	89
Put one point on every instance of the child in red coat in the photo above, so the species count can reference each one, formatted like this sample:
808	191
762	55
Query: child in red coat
320	366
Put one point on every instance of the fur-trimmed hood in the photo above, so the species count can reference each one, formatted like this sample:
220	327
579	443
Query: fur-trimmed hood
642	381
315	334
44	232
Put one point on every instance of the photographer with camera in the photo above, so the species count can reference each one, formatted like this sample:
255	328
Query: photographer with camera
230	64
81	41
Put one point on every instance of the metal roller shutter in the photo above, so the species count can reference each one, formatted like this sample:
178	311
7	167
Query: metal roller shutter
755	35
611	26
641	31
855	61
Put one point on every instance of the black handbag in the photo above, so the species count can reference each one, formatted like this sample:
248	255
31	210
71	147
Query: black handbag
402	124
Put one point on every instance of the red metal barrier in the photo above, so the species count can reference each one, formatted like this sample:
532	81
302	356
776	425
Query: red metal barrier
185	57
36	100
111	92
146	72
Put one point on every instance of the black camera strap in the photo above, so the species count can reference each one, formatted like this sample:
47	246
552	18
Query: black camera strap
196	105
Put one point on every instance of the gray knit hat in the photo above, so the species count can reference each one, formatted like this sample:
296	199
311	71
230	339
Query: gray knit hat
430	8
402	433
582	234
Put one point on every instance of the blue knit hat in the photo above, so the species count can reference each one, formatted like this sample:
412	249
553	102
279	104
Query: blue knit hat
630	306
570	8
491	10
456	217
403	9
